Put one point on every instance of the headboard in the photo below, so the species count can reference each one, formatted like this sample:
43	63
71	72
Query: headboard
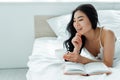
50	10
42	28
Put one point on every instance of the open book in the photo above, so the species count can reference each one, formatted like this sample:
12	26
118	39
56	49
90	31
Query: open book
92	68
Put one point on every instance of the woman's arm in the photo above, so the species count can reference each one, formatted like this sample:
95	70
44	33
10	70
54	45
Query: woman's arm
76	57
108	47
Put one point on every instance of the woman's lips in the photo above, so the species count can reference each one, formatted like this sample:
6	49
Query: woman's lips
79	29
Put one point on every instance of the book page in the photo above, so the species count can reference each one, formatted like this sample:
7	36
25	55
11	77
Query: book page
71	67
96	67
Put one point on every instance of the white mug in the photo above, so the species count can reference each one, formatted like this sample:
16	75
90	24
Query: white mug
60	53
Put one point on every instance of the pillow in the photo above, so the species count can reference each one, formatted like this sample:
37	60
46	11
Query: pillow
110	19
107	18
59	25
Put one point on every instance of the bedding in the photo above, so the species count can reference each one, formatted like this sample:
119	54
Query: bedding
45	65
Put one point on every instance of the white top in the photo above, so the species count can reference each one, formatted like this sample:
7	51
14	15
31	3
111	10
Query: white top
89	55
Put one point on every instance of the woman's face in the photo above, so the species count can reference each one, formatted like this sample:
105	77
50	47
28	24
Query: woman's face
81	22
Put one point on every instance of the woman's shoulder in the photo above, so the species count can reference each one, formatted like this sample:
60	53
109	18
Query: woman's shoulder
108	32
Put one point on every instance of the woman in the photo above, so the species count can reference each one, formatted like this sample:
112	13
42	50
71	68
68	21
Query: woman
84	33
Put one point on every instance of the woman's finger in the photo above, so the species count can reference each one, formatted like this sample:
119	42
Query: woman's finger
78	34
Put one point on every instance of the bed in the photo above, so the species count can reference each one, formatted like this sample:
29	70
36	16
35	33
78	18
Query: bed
43	62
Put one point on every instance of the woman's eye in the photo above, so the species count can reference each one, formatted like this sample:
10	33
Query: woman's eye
80	19
74	21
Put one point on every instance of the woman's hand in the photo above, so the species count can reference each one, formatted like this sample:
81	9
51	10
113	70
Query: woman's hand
75	57
77	42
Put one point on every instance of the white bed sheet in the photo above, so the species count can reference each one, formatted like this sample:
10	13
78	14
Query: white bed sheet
44	65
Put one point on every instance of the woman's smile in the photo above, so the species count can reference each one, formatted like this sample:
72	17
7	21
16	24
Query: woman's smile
79	29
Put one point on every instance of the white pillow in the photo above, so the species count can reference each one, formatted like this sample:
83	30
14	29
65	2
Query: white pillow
59	25
110	19
107	18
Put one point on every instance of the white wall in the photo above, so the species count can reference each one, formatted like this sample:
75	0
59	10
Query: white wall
17	28
16	35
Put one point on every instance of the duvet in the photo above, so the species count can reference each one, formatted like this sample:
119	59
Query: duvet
44	65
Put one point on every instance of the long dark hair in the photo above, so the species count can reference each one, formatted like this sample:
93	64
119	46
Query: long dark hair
92	15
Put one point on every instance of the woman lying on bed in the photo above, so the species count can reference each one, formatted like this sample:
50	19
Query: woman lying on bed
84	33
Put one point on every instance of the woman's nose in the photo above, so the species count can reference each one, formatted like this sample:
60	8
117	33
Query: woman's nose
77	24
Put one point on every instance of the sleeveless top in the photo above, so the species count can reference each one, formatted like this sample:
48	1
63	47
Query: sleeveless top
99	57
